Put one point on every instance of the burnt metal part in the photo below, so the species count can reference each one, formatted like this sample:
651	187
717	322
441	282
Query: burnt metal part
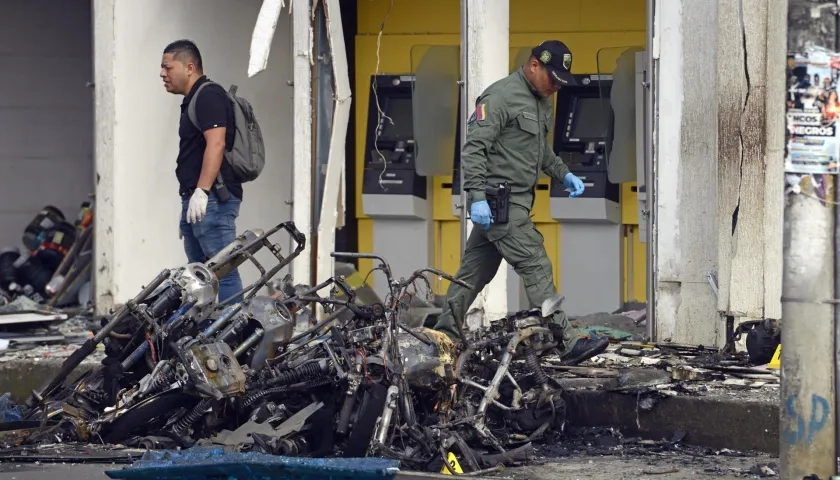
89	346
216	365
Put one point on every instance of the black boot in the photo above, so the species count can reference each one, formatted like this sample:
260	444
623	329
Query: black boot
584	349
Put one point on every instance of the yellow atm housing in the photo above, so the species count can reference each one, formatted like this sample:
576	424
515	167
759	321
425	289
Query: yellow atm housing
586	26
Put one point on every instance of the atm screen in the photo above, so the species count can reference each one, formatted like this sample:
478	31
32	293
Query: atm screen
399	110
590	117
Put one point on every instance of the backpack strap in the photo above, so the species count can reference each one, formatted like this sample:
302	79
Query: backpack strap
191	107
220	182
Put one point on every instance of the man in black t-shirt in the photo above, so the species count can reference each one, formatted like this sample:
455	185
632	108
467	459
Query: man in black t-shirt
209	207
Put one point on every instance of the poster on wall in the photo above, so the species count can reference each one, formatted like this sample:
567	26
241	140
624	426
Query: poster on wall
812	106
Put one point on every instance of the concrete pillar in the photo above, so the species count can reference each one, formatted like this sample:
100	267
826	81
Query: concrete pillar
104	59
488	53
302	133
718	179
808	396
750	173
685	48
138	206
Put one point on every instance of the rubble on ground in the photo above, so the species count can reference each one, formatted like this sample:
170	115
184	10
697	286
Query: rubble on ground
670	370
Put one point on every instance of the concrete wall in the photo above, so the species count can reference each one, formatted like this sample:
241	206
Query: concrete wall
686	156
46	111
137	137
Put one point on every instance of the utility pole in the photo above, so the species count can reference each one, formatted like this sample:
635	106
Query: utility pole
808	444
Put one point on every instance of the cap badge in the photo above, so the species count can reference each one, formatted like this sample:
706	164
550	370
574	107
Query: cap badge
567	61
545	56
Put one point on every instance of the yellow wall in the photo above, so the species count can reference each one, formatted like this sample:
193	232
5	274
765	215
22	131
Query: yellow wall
586	26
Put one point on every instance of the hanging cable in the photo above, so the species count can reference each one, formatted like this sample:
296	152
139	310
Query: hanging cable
379	113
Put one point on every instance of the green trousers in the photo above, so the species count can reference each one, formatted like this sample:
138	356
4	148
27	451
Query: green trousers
520	244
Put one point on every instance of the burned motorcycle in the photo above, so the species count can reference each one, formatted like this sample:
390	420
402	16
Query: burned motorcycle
486	397
172	351
183	370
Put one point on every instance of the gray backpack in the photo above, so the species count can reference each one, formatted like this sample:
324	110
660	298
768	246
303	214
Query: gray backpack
247	157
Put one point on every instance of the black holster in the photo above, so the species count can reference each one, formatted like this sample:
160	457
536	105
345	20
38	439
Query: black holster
222	192
498	198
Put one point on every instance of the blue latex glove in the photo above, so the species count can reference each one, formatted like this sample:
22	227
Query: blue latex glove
480	214
572	182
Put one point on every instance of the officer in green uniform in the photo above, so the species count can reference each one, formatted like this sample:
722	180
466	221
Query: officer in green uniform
507	141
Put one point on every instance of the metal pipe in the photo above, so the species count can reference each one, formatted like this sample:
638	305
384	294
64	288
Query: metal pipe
390	405
650	186
249	342
131	304
836	272
319	326
223	319
141	349
465	111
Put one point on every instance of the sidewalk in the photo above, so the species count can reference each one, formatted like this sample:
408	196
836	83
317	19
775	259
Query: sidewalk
688	394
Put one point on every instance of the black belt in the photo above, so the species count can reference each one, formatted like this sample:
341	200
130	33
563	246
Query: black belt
189	193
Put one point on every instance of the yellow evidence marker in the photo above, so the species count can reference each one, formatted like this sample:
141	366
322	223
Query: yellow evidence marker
776	361
453	464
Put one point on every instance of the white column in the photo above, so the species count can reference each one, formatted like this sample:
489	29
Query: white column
103	75
686	172
488	47
302	134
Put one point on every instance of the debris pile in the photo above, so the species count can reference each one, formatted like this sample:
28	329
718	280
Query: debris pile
54	267
270	376
669	369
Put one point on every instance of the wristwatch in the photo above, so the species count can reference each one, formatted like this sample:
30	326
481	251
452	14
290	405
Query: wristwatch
207	192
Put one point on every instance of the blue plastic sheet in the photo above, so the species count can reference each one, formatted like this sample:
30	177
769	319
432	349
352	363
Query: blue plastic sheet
217	464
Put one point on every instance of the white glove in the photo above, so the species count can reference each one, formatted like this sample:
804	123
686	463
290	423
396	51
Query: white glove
197	207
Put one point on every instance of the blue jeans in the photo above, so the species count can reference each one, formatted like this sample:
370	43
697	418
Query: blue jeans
214	232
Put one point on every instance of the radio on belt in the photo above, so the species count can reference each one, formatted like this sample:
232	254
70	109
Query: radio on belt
394	195
590	231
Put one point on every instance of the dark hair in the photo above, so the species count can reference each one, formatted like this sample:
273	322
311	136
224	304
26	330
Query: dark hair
185	50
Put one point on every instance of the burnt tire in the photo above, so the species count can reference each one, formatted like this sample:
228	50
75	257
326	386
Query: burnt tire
147	416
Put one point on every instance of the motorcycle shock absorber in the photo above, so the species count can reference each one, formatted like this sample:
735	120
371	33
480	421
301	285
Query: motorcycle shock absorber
164	379
310	370
533	363
387	413
190	418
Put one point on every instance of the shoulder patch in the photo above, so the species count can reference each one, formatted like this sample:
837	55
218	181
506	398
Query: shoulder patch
480	112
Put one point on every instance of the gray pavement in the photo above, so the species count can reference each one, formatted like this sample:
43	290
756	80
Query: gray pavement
646	467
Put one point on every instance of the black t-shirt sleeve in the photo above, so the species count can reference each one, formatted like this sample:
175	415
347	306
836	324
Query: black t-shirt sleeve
211	108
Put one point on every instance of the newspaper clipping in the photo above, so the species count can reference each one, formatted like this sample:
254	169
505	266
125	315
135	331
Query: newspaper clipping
813	145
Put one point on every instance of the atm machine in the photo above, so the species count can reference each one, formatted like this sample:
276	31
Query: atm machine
394	195
591	242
